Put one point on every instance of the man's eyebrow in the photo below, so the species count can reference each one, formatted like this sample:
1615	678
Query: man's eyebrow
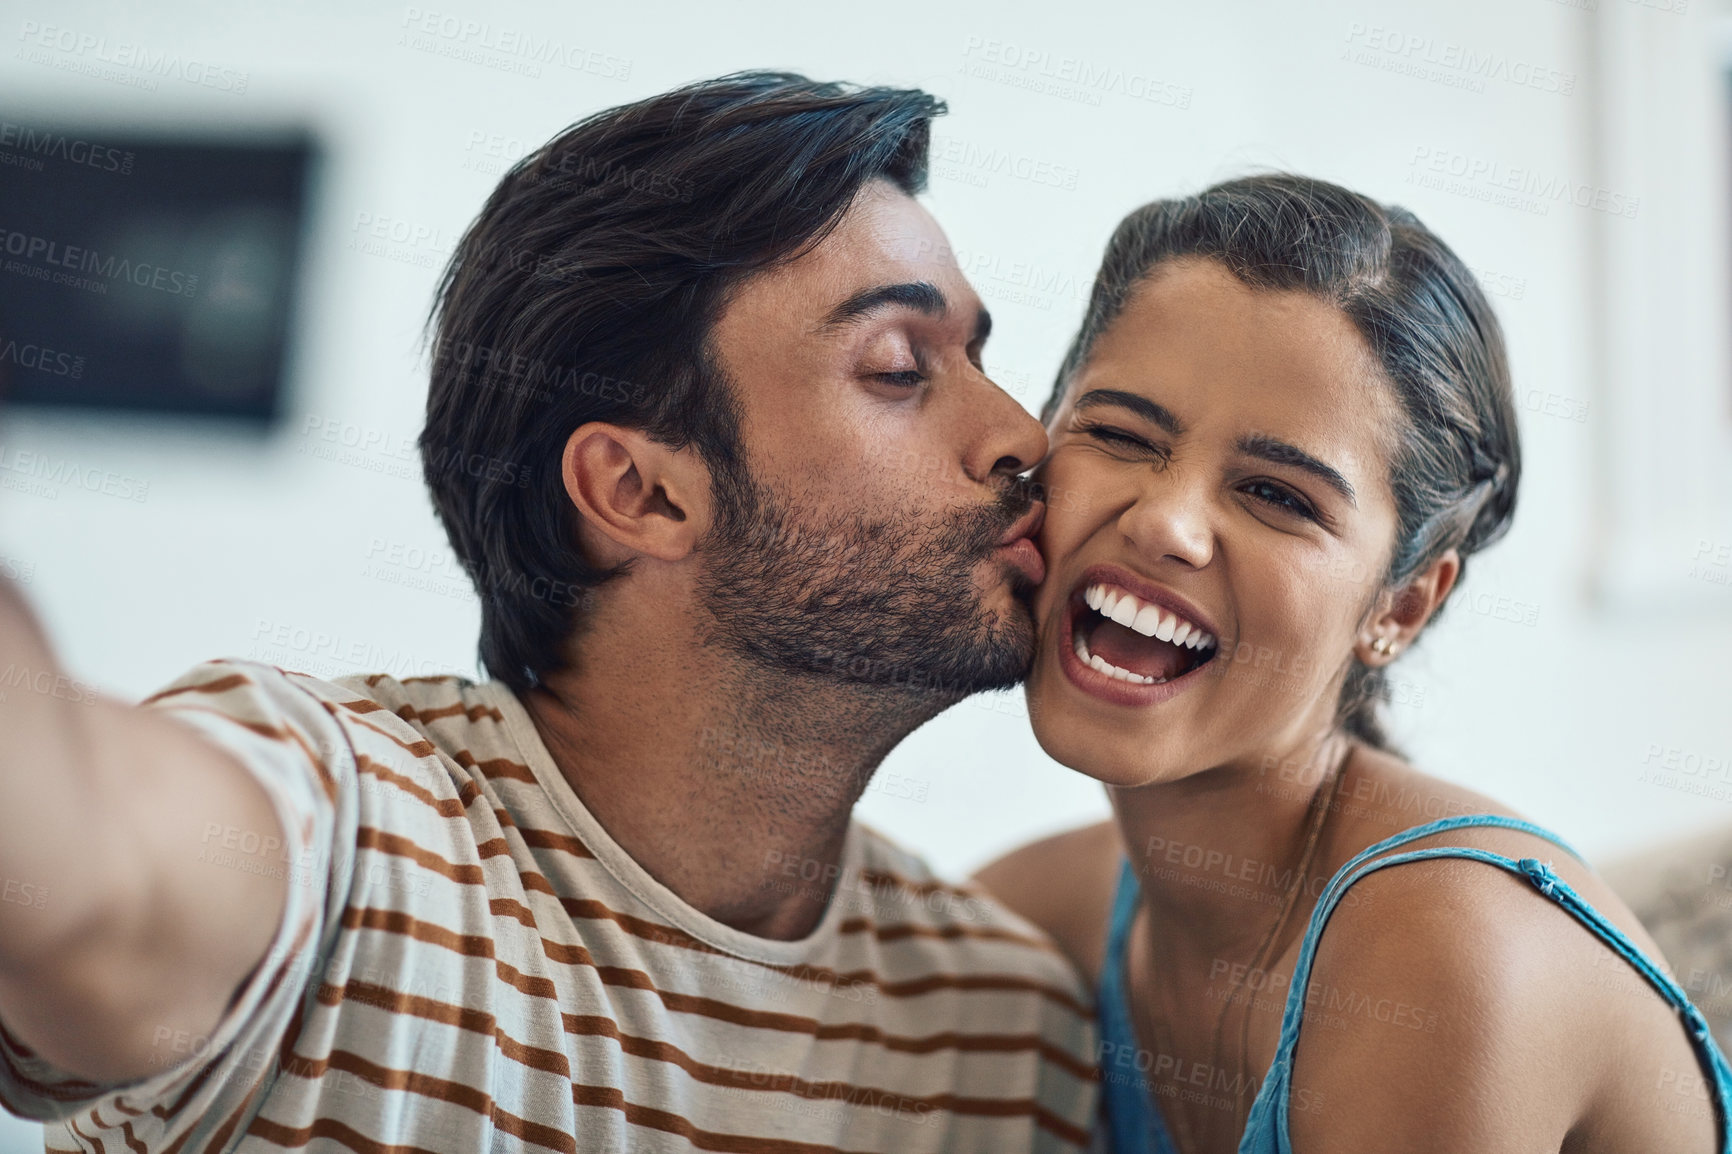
1140	405
1281	453
921	296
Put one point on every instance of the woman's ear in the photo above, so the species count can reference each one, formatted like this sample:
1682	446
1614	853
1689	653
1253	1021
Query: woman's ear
638	497
1401	613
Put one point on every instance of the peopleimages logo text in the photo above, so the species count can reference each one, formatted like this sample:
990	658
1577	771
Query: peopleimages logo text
1535	189
84	45
59	146
65	471
88	260
514	42
1449	57
42	359
1075	78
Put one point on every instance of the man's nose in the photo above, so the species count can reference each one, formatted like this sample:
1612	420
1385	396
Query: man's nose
1014	440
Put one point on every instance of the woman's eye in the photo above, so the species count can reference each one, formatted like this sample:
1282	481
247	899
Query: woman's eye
907	378
1123	441
1281	497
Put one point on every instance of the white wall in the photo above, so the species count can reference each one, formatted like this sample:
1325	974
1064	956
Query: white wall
239	537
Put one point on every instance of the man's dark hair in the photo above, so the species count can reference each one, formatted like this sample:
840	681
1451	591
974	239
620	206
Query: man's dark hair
1458	460
587	290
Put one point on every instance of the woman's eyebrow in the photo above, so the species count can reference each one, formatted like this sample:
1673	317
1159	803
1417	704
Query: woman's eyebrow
1154	413
1281	453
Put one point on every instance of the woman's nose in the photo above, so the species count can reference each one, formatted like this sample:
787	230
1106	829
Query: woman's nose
1171	518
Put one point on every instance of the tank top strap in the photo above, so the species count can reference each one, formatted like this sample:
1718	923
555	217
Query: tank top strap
1444	825
1266	1130
1129	1114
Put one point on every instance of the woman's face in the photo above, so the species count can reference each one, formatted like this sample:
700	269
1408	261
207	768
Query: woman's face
1222	461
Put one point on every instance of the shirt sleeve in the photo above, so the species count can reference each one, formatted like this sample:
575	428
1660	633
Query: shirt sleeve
280	727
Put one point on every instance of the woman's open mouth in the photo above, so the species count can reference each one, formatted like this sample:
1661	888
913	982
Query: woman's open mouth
1125	646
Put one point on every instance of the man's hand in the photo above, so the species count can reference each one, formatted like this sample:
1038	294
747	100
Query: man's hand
113	933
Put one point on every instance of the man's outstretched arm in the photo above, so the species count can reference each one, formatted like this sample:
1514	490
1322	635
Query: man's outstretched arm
114	934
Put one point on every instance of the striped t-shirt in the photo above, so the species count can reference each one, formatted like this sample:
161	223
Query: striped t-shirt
468	962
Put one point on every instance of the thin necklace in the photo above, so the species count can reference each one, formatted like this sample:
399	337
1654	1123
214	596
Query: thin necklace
1322	802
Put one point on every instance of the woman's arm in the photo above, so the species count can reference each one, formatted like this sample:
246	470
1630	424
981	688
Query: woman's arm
1456	1009
1064	885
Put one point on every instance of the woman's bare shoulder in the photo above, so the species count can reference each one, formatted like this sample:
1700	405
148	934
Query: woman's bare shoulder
1453	970
1383	795
1063	884
1452	973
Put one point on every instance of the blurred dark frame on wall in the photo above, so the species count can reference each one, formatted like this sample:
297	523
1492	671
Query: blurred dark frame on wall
150	271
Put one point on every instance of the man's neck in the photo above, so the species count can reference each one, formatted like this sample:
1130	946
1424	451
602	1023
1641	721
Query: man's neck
730	785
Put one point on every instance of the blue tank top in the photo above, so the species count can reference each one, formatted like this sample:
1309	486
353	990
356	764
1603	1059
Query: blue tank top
1130	1116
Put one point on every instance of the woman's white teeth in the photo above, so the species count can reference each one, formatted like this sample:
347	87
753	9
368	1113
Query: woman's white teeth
1149	620
1096	662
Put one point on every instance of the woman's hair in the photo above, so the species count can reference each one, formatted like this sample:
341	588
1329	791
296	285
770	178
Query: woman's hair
1457	459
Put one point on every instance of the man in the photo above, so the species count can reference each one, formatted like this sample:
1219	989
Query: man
709	428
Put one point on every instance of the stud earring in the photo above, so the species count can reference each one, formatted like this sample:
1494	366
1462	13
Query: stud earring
1382	645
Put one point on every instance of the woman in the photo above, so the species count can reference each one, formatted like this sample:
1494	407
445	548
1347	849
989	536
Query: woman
1284	426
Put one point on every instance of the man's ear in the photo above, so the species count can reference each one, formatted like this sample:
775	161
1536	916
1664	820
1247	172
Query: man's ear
1402	613
638	497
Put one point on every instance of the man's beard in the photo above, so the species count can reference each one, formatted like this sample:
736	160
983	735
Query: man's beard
889	602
